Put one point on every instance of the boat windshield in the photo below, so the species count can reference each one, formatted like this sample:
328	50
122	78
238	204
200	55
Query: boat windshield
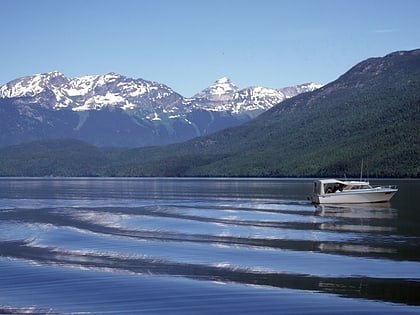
357	186
333	187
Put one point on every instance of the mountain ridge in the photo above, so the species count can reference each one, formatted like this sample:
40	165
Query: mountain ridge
152	113
68	91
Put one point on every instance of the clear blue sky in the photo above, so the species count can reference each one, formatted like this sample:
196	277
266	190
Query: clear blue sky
188	44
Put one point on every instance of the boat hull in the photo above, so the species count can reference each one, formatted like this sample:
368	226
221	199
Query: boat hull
365	196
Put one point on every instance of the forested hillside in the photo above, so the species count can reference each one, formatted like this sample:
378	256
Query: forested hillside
372	112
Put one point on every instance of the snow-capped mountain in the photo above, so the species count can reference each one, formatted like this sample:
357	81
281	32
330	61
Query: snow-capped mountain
223	95
150	113
56	91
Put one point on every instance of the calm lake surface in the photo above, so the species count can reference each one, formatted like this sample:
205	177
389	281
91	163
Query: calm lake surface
207	246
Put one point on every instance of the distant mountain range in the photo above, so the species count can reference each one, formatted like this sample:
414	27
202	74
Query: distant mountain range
114	110
370	113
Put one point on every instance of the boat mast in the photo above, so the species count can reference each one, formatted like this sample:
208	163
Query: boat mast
361	171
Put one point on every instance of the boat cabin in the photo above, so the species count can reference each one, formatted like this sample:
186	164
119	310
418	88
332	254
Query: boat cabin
328	186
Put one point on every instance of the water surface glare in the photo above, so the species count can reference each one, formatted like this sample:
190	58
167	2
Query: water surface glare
188	246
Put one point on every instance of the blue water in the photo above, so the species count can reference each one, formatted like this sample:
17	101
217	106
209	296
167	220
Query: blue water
208	246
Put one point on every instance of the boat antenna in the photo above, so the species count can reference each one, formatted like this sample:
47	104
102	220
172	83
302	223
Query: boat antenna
367	169
361	171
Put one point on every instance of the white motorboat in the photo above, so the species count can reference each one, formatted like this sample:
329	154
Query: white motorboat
333	191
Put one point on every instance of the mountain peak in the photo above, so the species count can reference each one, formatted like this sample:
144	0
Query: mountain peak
33	85
371	68
221	89
223	80
225	85
54	73
111	76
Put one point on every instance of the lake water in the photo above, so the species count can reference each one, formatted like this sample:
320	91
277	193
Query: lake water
207	246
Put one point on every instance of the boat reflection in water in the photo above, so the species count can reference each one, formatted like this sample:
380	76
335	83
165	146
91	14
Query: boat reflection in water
379	210
367	220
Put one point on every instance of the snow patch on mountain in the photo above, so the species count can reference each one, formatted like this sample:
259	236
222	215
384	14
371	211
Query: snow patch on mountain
80	86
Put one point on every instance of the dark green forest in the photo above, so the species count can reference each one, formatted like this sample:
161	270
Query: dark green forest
370	113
